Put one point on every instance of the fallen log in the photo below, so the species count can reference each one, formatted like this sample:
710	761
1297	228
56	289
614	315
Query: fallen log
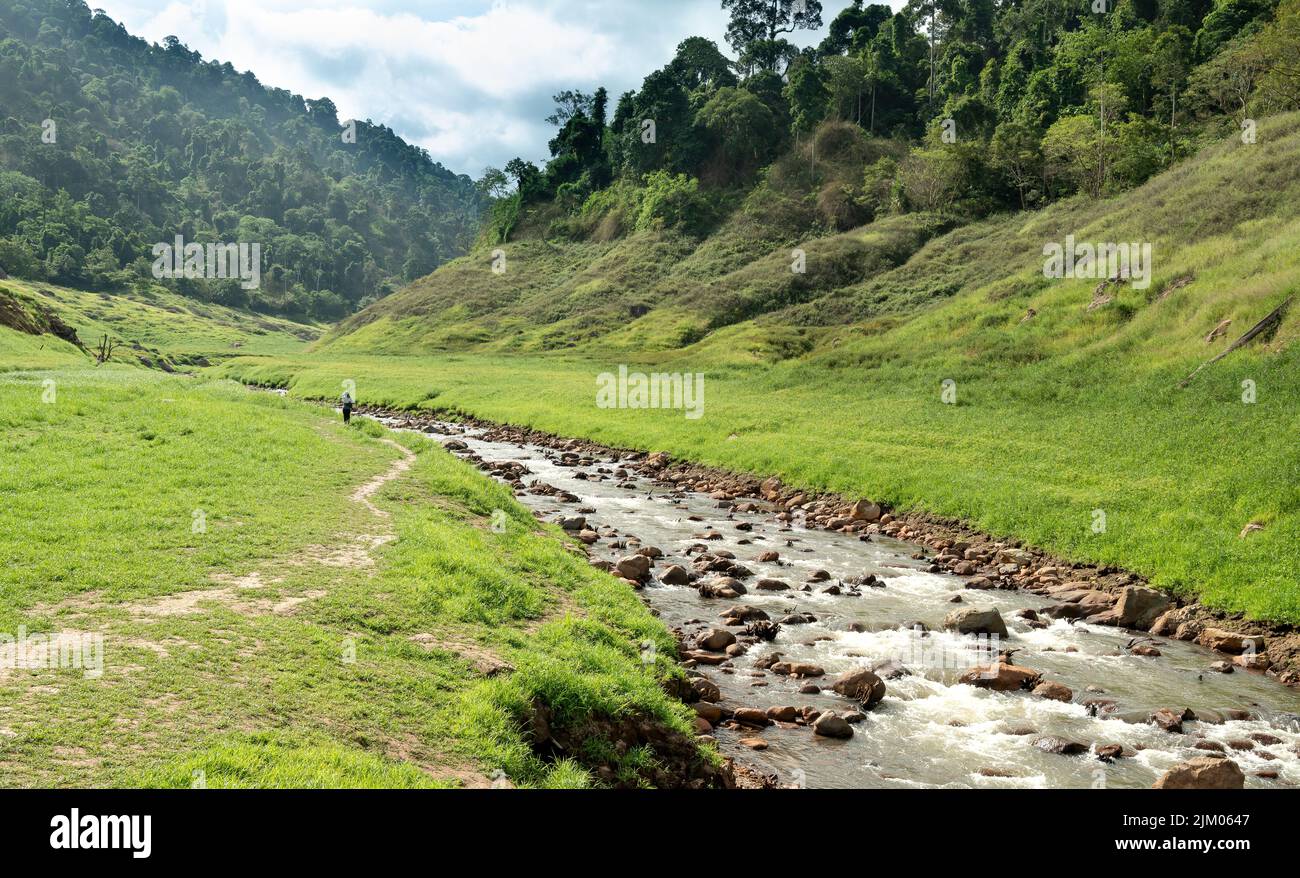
1274	317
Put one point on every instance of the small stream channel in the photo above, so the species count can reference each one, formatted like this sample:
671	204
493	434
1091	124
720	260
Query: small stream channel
930	730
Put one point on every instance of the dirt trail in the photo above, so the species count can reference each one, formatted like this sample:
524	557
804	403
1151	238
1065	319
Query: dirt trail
369	489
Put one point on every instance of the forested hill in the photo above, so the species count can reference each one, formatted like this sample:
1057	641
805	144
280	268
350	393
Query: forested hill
676	215
151	141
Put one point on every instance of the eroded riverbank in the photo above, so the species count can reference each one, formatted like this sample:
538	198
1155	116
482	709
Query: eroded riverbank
856	597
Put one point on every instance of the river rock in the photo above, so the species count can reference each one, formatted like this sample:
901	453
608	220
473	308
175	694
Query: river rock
771	585
634	567
769	556
1253	661
751	716
1202	773
1109	752
860	684
675	574
1054	691
783	714
708	710
832	725
1060	746
797	669
1169	720
1139	607
715	639
1227	641
976	621
865	510
722	587
1001	677
744	613
706	689
573	522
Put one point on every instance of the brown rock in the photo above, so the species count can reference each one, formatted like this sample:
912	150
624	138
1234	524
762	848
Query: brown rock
1053	690
1227	641
1001	677
865	510
633	567
1169	720
862	685
751	716
1202	773
715	639
1139	606
831	725
975	621
1060	746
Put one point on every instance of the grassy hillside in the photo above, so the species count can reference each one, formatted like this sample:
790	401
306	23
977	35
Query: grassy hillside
834	379
150	326
283	601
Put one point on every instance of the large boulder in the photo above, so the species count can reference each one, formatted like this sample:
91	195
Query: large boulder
1002	677
975	621
1139	607
1202	773
862	685
675	575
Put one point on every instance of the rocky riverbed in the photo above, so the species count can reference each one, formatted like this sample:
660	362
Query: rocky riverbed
832	644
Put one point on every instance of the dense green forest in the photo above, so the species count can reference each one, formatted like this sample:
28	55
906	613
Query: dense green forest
109	145
976	106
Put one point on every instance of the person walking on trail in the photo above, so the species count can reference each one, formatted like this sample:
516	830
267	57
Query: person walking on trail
347	407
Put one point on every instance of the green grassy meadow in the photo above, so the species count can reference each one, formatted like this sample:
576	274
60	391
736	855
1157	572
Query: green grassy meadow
294	637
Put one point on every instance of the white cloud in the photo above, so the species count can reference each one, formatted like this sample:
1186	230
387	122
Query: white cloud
469	80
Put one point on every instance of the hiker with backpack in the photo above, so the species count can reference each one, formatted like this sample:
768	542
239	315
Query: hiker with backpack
347	407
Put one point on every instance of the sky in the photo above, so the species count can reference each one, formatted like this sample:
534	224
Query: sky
469	80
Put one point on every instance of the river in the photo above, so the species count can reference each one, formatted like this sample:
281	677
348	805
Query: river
930	730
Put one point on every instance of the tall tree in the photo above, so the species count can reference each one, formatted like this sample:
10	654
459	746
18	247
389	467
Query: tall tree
755	21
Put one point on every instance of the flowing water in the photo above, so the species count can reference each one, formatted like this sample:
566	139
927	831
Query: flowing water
930	730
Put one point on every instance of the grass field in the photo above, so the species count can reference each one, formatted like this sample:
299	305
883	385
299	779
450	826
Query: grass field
283	601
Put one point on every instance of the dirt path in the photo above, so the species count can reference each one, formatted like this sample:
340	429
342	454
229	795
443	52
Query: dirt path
363	493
